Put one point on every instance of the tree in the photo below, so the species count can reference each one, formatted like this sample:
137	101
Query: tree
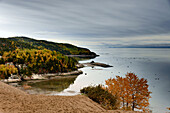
131	91
7	70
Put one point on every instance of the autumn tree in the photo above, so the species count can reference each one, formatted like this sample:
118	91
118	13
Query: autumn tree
168	108
131	91
6	71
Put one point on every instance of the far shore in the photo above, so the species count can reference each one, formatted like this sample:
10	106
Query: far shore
83	56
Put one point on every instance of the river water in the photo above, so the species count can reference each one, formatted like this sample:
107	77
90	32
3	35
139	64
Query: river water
152	64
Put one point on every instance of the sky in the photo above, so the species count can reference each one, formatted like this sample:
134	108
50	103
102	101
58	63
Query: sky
88	22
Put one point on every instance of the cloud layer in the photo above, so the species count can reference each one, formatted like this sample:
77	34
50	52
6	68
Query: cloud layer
85	19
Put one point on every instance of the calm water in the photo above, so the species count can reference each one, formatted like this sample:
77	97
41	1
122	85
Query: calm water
152	64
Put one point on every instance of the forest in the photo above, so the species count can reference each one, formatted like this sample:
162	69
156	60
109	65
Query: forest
29	61
24	56
12	43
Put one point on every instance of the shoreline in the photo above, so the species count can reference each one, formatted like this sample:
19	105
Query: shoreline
49	76
43	76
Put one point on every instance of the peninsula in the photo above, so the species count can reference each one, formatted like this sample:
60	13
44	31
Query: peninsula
25	56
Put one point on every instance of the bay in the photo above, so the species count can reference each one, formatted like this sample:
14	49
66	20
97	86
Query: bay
152	64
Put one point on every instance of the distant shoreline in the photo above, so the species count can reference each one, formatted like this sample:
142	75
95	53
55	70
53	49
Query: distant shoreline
142	47
83	56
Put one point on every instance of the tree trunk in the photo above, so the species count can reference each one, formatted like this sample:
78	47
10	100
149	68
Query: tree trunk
21	77
133	104
123	103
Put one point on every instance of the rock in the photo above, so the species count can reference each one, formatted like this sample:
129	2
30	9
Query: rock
79	65
92	62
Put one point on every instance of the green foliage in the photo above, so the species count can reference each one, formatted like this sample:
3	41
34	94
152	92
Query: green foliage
101	96
10	44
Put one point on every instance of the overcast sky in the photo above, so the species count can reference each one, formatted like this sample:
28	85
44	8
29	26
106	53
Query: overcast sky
88	22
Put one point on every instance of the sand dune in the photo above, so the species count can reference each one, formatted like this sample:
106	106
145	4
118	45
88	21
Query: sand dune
13	100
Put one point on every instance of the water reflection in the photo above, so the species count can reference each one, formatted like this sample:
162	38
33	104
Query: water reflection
49	86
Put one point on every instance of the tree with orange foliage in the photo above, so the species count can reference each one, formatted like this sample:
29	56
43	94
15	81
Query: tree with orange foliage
131	91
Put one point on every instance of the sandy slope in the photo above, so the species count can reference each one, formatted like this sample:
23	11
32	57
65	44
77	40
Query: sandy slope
13	100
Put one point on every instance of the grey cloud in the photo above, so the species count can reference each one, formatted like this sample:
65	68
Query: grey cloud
86	18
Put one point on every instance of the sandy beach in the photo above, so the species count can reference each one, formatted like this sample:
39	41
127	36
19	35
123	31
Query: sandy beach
13	100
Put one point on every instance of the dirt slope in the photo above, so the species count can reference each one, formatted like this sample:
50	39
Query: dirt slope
13	100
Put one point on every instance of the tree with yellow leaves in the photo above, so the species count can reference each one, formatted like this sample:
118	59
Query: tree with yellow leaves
7	70
131	91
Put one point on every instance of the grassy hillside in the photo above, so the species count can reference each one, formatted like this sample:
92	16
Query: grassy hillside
9	44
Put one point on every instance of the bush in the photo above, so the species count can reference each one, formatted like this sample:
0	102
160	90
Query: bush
101	96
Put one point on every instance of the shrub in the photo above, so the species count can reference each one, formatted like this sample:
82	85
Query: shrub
101	96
